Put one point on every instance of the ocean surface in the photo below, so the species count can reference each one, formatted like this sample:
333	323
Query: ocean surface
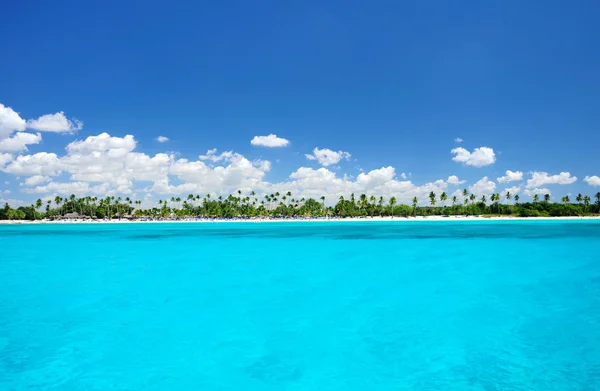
301	306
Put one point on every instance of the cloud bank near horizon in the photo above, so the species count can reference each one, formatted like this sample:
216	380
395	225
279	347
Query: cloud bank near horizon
105	164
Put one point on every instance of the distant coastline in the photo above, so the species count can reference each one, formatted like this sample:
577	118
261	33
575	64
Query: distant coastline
305	220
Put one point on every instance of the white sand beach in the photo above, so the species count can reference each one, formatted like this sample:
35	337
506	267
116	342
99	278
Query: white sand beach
304	220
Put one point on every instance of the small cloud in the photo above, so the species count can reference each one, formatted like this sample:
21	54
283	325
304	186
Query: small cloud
592	180
270	141
458	140
403	176
453	180
327	157
539	179
511	176
57	123
480	157
162	139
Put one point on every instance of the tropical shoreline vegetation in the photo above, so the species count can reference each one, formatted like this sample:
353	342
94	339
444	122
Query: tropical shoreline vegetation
285	205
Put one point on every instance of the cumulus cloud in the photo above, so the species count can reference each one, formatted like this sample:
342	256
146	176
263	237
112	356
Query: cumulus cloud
12	202
542	178
483	187
271	141
4	158
480	157
41	163
532	192
453	180
19	141
211	155
116	146
458	140
68	188
592	180
57	123
10	121
327	157
36	180
309	182
512	190
511	176
162	139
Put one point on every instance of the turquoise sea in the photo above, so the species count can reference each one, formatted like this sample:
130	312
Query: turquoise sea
301	306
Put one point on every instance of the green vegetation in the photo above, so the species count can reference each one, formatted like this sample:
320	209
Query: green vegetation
284	205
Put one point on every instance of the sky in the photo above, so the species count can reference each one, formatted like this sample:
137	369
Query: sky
142	100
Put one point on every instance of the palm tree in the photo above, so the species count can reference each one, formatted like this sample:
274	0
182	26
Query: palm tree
517	199
323	202
392	203
565	199
415	201
508	196
432	199
536	197
363	201
579	198
58	201
484	199
443	198
547	197
586	203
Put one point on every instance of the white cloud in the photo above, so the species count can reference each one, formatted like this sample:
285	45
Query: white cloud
12	202
263	165
309	182
271	141
483	187
542	178
162	139
532	192
103	143
403	176
238	174
38	164
4	158
592	180
480	157
328	157
458	140
212	156
511	176
57	123
36	180
19	141
512	190
10	121
453	180
67	188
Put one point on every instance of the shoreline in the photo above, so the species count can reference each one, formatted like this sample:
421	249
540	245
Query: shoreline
311	220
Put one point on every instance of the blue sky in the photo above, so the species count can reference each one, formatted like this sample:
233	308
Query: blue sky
393	85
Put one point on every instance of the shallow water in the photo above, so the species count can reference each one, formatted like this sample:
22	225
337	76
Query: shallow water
301	306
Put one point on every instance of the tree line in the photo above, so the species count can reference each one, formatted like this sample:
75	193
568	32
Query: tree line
285	205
